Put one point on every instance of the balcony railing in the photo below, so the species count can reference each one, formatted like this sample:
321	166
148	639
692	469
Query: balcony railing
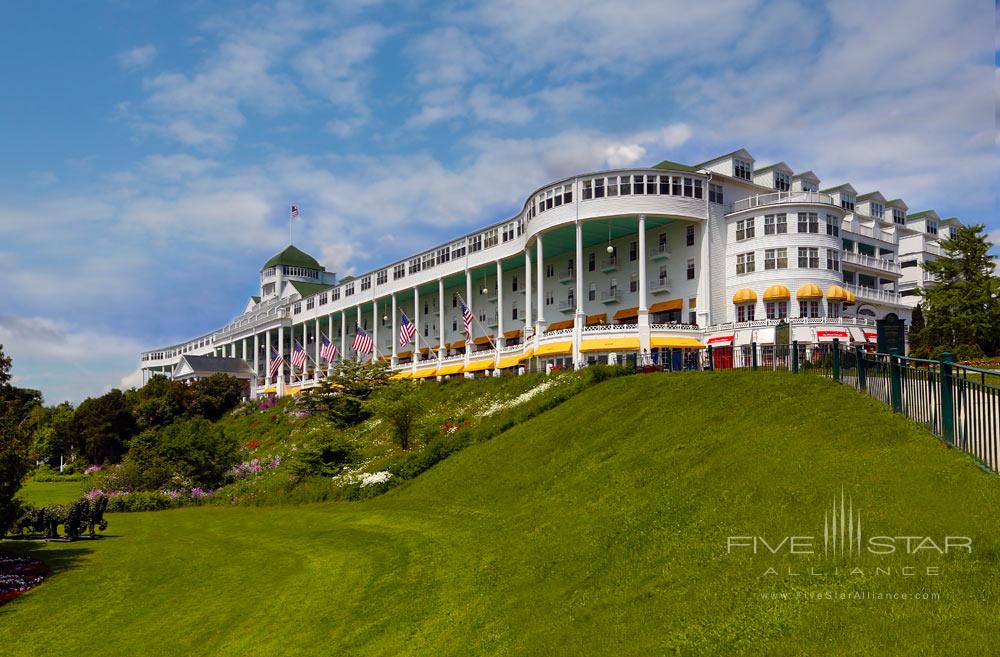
609	264
872	262
868	231
567	305
774	198
660	251
659	285
760	323
611	296
568	276
874	294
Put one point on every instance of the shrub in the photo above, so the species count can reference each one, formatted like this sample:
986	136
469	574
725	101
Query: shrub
327	457
197	451
398	405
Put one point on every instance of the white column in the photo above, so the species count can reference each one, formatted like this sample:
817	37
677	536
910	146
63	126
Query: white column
541	284
291	352
395	333
343	335
529	326
416	327
468	304
441	332
357	325
267	359
501	341
281	367
256	359
375	322
580	316
643	314
318	340
329	333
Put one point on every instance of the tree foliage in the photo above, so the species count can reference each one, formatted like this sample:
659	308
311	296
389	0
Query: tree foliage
341	396
398	406
105	425
962	308
16	405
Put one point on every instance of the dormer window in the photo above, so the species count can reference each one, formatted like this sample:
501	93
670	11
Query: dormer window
847	201
782	181
932	227
742	169
809	187
878	211
952	232
898	216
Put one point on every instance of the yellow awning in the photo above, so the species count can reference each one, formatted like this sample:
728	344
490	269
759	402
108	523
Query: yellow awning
511	361
610	344
483	339
851	299
513	334
450	368
597	319
625	313
555	348
424	373
270	390
292	391
458	344
809	291
404	354
676	343
746	295
836	293
665	306
480	365
558	326
777	293
403	374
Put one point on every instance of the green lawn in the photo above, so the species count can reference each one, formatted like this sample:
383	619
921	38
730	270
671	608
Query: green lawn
57	492
597	528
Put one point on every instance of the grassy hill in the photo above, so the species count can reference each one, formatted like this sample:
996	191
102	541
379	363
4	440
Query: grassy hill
598	527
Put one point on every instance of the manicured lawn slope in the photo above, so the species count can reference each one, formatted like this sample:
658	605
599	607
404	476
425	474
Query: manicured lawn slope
597	528
43	493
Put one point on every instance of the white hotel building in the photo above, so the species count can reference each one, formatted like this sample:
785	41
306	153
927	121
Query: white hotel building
656	262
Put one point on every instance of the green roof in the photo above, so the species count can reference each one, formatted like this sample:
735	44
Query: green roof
895	201
833	189
308	289
294	257
722	157
676	166
869	195
917	215
255	299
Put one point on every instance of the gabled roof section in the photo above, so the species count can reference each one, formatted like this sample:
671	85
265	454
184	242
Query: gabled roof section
674	166
806	175
897	203
740	153
777	166
293	257
872	196
308	289
952	220
923	214
846	187
208	365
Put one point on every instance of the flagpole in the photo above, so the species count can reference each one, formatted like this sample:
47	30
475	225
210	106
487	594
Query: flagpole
476	320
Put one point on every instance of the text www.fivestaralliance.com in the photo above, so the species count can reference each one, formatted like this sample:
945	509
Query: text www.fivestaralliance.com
850	596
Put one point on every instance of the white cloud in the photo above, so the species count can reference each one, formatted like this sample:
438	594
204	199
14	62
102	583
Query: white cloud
138	57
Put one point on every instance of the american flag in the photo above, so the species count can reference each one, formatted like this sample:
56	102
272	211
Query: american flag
362	341
327	350
295	211
276	361
406	330
466	318
299	356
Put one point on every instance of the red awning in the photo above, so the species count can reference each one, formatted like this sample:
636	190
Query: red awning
720	340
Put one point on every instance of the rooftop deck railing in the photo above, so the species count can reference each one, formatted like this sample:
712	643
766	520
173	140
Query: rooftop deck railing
775	198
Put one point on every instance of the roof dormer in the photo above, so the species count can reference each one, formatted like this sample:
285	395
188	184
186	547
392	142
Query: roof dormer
896	210
871	204
738	164
776	176
926	221
843	195
805	182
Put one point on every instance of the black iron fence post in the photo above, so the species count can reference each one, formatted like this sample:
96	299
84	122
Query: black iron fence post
836	360
862	384
711	365
947	400
795	356
896	388
753	356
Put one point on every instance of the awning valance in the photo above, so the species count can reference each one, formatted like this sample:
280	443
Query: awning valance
404	374
667	306
809	291
610	344
451	368
851	299
483	339
424	373
555	348
457	344
719	341
597	319
777	293
675	343
745	295
404	354
558	326
626	313
513	334
836	293
829	335
480	365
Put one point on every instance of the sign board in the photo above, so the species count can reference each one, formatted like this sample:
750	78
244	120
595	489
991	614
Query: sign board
782	333
891	335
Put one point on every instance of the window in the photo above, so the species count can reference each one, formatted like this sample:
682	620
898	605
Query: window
626	185
932	227
490	238
847	201
808	222
592	292
633	283
454	300
745	312
548	200
744	229
833	309
782	181
776	258
612	186
677	185
550	298
310	303
336	294
775	224
689	187
650	184
776	309
742	169
832	225
689	236
558	196
567	193
744	263
697	188
808	257
877	210
349	289
898	216
513	312
833	259
952	232
475	243
323	297
398	271
599	188
428	262
637	185
457	251
591	262
382	277
550	271
690	269
907	264
366	283
808	308
414	265
588	190
664	184
714	193
513	283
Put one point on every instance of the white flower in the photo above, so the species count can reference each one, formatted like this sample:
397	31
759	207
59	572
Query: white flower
376	478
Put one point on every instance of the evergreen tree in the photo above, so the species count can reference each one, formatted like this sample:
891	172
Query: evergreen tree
15	406
962	308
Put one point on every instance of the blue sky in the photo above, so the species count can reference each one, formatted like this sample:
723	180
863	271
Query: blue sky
150	150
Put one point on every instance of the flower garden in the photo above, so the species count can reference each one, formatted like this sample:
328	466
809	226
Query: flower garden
19	574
